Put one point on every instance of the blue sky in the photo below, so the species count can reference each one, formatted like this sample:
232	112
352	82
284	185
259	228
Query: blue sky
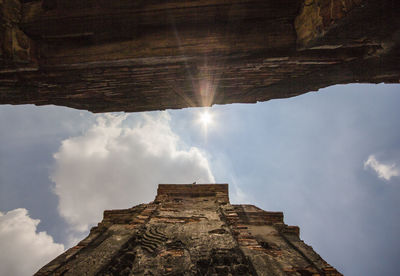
329	160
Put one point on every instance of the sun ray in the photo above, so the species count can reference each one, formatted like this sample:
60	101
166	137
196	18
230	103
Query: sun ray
206	118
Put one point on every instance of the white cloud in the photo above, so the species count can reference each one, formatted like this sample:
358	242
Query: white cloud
114	166
238	196
23	250
383	170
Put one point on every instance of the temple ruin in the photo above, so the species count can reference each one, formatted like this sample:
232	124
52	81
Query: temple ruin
191	230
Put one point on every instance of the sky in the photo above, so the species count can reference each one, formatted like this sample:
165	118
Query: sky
330	160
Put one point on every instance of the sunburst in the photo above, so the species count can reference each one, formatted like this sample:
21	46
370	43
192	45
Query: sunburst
206	118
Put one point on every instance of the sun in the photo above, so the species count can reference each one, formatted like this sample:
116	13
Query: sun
206	118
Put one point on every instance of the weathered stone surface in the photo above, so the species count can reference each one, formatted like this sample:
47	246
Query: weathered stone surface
16	48
152	55
191	230
317	16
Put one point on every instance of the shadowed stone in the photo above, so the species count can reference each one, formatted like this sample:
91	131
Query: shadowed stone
152	55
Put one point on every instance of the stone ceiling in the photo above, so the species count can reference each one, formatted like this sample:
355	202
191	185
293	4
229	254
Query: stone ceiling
103	56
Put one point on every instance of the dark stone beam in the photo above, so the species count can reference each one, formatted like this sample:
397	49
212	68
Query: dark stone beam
152	55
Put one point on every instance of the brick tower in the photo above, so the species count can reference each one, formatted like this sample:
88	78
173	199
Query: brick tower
191	230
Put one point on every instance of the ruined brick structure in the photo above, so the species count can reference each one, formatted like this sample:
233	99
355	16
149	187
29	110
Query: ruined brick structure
191	230
134	55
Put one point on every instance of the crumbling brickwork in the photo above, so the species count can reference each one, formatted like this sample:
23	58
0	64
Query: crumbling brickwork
191	230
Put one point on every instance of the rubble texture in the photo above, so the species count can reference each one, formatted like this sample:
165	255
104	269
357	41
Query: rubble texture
132	55
191	230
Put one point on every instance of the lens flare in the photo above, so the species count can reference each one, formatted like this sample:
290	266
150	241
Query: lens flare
206	118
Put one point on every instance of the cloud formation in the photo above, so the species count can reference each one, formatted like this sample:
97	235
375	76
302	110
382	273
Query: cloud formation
115	166
23	250
383	170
